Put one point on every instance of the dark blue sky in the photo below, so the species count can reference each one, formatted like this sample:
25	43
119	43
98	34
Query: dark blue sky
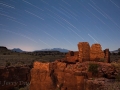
38	24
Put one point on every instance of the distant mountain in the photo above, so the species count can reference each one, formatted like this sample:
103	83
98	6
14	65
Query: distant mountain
17	50
116	51
54	49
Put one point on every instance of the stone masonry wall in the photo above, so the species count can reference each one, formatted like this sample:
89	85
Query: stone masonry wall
84	51
96	52
87	53
107	55
63	76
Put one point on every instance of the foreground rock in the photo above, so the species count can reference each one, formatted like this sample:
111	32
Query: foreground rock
64	76
11	77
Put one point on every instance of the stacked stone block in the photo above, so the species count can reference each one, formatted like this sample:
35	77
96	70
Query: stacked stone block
107	55
72	56
87	53
84	51
96	52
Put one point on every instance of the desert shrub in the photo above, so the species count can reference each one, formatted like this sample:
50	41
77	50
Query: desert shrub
79	66
119	53
114	53
69	67
22	89
4	53
25	88
19	64
93	68
7	64
102	60
118	77
16	88
22	62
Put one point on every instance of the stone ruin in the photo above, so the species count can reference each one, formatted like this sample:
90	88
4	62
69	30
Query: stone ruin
71	73
59	75
84	51
96	52
107	55
87	53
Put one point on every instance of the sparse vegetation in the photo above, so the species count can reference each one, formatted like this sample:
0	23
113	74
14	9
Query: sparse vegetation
102	60
119	53
7	64
24	88
27	58
93	68
114	58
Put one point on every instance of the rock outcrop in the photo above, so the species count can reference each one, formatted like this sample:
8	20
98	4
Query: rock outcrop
59	76
2	48
11	77
65	76
41	77
74	71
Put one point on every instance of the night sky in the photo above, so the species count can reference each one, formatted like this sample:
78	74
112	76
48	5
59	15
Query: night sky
38	24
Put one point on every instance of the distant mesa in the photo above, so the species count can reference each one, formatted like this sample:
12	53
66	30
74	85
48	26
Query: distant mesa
17	50
54	49
116	51
2	48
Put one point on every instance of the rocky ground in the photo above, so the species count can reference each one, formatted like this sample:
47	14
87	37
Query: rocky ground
59	75
79	76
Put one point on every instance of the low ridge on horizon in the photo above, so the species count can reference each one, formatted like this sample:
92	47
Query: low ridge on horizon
54	49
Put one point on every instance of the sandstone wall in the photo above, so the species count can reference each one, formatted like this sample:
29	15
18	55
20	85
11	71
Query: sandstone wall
41	77
96	52
59	76
87	53
72	56
84	51
107	55
41	66
64	76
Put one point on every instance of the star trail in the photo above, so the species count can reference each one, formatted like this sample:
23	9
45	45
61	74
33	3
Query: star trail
37	24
